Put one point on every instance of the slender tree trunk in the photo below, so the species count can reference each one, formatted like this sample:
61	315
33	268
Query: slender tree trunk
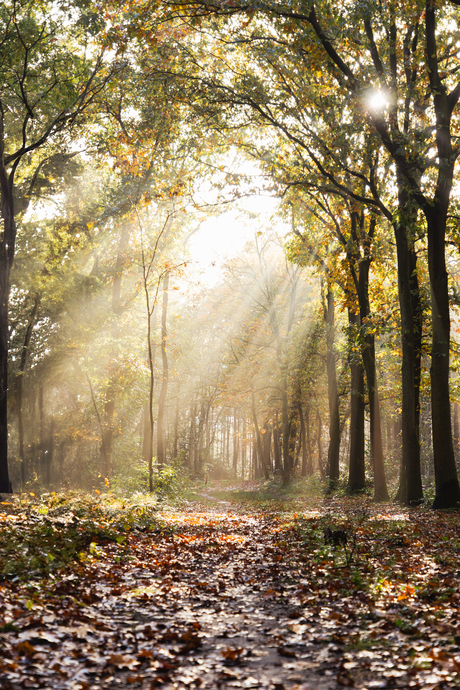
20	394
285	431
42	432
146	433
320	445
161	459
5	486
243	450
445	472
200	452
456	432
267	444
309	451
356	470
149	426
254	464
7	246
258	439
151	360
227	441
276	444
176	430
109	405
107	436
303	439
410	482
49	452
235	443
192	450
368	354
333	398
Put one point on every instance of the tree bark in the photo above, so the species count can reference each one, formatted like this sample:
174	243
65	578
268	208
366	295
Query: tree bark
192	449
276	444
107	436
285	431
320	445
303	437
161	459
7	245
445	472
368	355
243	450
109	406
356	469
258	439
410	483
333	455
20	387
235	443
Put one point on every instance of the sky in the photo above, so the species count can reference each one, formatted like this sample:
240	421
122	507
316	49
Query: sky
222	237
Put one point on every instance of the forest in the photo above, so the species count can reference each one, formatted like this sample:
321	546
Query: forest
325	342
229	324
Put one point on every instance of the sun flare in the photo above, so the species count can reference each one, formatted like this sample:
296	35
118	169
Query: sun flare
377	101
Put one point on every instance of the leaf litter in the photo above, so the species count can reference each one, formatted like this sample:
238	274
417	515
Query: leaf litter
221	595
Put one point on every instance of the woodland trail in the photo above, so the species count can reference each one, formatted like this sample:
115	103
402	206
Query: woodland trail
218	597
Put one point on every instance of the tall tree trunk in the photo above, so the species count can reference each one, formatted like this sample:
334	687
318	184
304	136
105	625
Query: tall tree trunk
309	451
410	482
320	445
243	449
199	455
146	433
151	355
227	441
161	459
303	439
7	246
456	432
368	354
333	455
276	444
356	469
285	431
267	444
445	472
107	436
20	387
117	309
260	451
235	442
176	430
192	449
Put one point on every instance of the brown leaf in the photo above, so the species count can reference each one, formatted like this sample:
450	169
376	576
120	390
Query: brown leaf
344	678
121	661
191	640
232	653
284	651
145	654
25	648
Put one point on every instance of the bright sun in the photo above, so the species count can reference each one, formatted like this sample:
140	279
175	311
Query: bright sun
377	101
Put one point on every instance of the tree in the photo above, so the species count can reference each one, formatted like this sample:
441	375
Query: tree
48	84
395	77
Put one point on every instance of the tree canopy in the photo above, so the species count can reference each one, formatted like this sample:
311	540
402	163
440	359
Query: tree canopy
325	345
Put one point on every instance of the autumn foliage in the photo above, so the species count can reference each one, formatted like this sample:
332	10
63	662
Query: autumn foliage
228	592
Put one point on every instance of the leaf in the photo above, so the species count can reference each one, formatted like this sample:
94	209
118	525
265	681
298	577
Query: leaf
232	653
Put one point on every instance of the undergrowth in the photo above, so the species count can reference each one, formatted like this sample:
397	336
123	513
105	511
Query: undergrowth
41	534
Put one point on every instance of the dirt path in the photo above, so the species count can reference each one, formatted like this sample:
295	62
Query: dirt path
212	599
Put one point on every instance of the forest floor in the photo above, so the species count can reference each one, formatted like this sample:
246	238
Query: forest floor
226	592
